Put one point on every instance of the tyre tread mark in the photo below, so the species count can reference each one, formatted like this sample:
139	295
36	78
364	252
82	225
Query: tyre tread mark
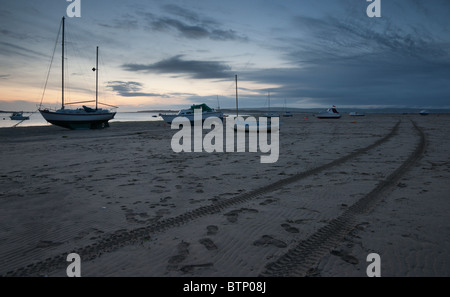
299	260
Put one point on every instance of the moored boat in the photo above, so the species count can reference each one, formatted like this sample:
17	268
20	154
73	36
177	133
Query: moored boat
330	113
18	116
250	124
269	113
189	113
80	118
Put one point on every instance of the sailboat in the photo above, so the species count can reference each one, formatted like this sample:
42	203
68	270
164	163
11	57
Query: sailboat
253	126
80	118
269	113
286	112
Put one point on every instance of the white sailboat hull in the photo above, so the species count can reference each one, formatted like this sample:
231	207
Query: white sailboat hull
78	119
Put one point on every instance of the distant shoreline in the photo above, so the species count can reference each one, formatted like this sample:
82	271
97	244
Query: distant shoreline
315	110
294	110
306	115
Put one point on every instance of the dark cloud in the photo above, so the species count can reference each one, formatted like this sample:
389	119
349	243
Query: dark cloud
355	61
4	76
130	89
181	94
192	68
333	38
187	14
189	24
365	82
185	30
126	23
343	86
5	32
10	49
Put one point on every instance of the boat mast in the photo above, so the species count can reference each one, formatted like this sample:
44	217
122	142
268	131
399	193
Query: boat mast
62	87
237	109
95	69
96	82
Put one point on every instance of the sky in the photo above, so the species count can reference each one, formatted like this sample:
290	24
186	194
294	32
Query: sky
171	54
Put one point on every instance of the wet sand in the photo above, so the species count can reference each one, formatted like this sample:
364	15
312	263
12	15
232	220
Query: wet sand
130	206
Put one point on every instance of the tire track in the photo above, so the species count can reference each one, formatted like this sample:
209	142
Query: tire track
122	238
306	255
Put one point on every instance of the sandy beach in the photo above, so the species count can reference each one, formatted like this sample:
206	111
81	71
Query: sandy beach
130	206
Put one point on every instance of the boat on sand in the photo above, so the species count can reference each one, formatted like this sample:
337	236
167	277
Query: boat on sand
80	118
330	113
189	113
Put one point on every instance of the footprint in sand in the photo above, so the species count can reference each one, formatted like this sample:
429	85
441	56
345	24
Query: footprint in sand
47	244
163	211
191	268
165	199
183	252
232	216
212	230
208	243
345	257
266	240
268	201
289	228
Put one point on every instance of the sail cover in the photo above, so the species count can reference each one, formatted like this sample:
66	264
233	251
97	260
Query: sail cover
203	107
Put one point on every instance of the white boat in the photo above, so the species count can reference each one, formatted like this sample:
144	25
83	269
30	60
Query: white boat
18	116
189	113
424	112
80	118
356	114
330	113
